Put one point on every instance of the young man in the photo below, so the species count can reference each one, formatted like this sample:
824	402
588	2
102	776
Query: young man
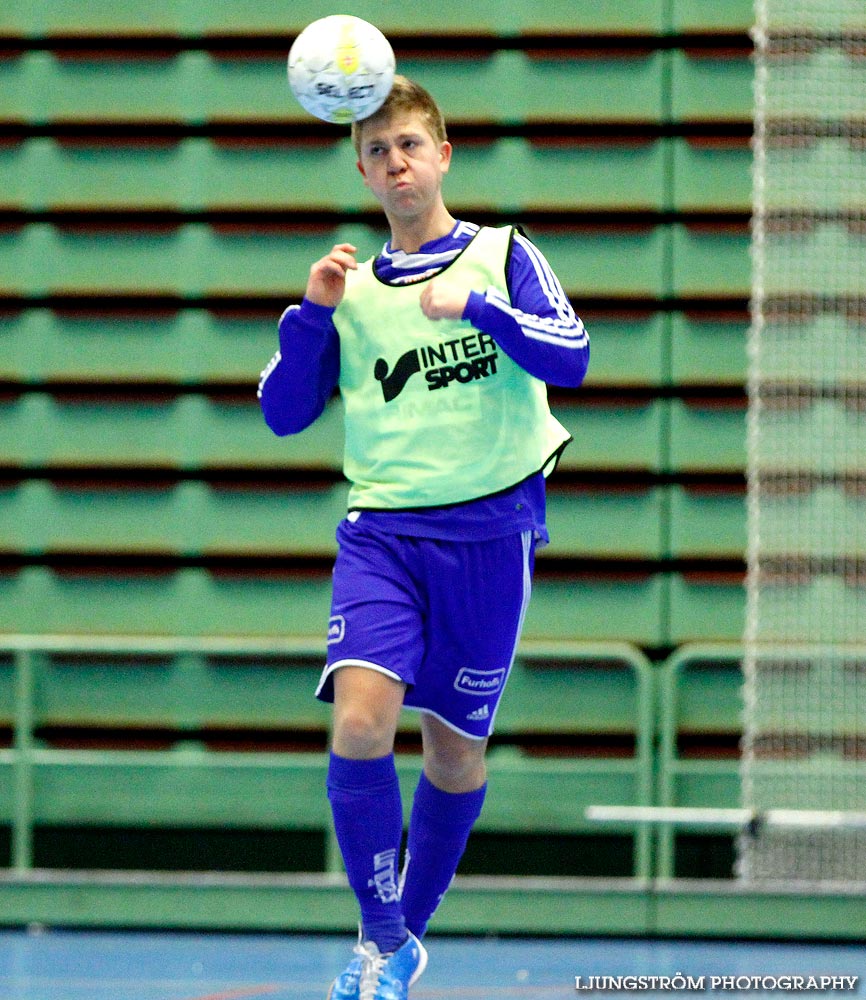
440	347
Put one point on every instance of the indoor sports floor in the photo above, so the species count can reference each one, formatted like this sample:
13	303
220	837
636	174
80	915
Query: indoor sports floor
82	965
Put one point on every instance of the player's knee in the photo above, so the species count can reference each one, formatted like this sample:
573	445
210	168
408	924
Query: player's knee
455	764
361	732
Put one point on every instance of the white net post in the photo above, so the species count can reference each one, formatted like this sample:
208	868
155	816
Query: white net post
804	744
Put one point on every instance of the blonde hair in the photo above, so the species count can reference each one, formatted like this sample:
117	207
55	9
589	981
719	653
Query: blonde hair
406	97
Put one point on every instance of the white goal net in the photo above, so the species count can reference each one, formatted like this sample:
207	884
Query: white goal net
804	744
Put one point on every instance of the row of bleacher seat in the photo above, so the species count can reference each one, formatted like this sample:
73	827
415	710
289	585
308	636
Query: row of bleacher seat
194	259
91	426
195	518
236	17
194	346
505	86
170	733
509	174
652	607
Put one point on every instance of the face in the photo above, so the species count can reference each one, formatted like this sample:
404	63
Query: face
403	165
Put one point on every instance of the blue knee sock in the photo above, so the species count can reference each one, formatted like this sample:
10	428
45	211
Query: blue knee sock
438	830
368	820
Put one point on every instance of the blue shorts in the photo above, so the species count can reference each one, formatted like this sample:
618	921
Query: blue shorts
444	617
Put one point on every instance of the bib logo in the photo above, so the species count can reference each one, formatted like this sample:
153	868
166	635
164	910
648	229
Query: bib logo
480	682
463	360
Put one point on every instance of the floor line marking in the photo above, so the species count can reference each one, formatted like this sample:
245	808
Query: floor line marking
250	991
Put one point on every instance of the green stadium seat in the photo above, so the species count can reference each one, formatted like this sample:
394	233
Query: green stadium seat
515	174
706	606
810	691
239	263
189	260
799	87
301	176
39	429
828	608
16	91
102	17
39	258
103	176
504	86
596	607
511	86
614	434
824	172
160	684
614	681
14	21
19	249
711	261
627	350
37	516
189	346
236	436
192	601
831	435
191	518
510	174
186	602
194	86
707	522
708	350
452	17
249	17
798	263
847	16
710	88
792	347
183	432
712	175
829	510
711	16
599	523
291	522
13	173
589	262
572	690
223	88
700	723
707	435
88	90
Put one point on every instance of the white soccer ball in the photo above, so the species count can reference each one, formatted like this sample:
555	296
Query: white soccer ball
341	68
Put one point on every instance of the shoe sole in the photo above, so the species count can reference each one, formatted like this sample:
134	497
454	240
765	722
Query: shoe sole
422	963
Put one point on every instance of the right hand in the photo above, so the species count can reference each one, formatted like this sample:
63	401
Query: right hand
327	280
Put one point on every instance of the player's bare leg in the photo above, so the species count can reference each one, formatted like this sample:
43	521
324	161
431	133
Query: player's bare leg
453	763
367	708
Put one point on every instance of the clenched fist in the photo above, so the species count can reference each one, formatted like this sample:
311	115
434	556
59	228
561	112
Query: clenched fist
327	281
442	299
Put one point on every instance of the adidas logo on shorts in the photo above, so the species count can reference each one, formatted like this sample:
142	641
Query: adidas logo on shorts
479	714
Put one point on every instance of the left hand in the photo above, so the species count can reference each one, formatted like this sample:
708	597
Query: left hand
443	300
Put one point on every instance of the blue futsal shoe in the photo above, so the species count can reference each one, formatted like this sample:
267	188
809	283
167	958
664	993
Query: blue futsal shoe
347	985
389	976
